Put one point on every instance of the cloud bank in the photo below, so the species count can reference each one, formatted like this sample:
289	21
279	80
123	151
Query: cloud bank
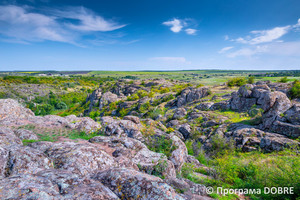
26	25
265	42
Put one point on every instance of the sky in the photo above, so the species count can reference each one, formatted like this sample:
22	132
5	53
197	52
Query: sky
149	35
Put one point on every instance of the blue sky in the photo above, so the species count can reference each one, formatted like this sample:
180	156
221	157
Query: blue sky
149	35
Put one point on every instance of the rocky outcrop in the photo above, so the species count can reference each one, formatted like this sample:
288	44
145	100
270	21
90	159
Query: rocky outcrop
24	134
107	98
279	115
131	184
204	106
179	113
189	95
53	184
179	155
132	118
250	139
82	158
13	114
292	115
128	150
121	128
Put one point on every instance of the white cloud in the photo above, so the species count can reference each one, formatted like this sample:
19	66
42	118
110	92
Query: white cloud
269	35
226	37
265	36
248	51
88	21
190	31
225	49
22	24
170	59
176	25
17	23
266	42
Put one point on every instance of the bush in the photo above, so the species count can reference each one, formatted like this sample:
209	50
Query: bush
250	80
283	80
144	107
220	146
238	81
123	112
295	90
61	106
161	144
156	112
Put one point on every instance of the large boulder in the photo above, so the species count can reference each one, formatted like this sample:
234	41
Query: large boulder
127	150
179	155
189	95
12	113
24	134
204	106
80	158
93	99
179	113
275	104
283	102
131	184
293	114
7	137
286	129
121	128
54	185
248	139
107	98
134	119
245	90
239	103
18	159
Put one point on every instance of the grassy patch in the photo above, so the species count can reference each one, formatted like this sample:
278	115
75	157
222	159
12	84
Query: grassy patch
81	135
234	117
254	170
26	142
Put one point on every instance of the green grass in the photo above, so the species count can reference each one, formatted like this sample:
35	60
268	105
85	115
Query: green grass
26	142
81	135
254	170
234	117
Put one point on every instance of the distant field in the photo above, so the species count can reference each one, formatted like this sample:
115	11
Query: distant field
206	77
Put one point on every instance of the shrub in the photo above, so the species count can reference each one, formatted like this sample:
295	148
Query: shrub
250	80
170	130
164	90
295	90
61	106
141	93
94	114
238	81
156	112
161	144
123	112
144	107
133	97
220	146
189	146
283	80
